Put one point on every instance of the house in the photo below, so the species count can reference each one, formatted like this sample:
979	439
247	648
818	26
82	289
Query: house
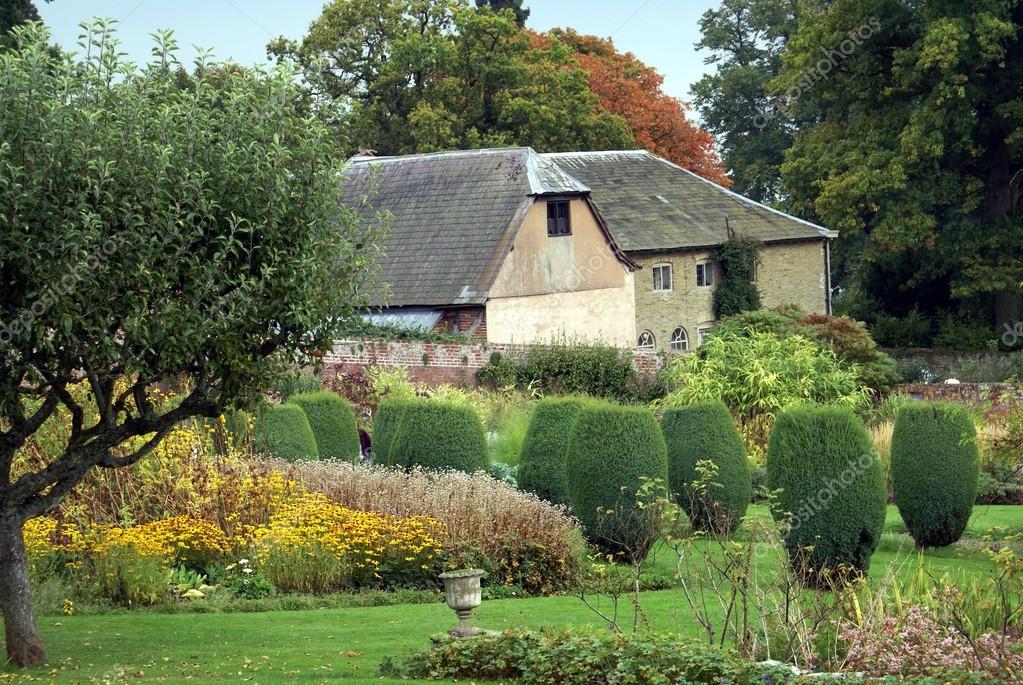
498	244
511	246
669	221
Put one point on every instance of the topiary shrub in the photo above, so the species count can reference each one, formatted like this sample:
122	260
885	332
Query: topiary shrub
542	463
707	432
283	431
611	450
935	470
832	484
333	424
385	425
439	435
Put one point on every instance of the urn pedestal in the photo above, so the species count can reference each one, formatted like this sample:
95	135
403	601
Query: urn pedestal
462	593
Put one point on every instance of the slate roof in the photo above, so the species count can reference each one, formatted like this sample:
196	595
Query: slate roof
454	216
651	204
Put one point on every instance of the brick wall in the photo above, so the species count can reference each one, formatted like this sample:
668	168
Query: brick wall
949	363
438	363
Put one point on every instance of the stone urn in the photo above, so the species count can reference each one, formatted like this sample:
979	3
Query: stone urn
462	593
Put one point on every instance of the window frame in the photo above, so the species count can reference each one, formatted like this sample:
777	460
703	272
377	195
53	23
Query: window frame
658	269
707	266
652	347
555	229
702	330
683	342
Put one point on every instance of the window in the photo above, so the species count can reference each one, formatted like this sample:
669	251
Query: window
662	277
646	341
704	274
557	218
679	340
702	332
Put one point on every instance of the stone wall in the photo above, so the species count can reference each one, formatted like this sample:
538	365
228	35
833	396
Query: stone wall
1001	396
949	363
788	273
438	363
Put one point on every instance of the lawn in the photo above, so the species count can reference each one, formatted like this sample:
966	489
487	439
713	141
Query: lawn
348	644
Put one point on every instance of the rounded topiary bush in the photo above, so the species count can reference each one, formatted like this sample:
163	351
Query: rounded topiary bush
935	469
611	450
333	424
385	425
542	464
439	435
707	432
283	431
832	484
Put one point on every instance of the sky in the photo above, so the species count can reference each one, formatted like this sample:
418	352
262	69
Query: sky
660	32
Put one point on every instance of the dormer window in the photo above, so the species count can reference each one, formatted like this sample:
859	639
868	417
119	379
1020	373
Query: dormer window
558	218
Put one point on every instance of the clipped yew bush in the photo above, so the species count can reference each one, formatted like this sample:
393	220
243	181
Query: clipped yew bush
283	431
611	450
333	424
542	468
935	469
707	432
439	435
832	485
385	425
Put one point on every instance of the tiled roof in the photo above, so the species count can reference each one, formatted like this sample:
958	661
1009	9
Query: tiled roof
650	203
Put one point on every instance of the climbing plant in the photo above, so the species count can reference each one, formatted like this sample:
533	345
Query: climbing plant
736	292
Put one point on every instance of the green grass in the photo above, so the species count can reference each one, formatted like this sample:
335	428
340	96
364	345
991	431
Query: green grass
328	645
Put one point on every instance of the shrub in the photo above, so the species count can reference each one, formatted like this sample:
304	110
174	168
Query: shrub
385	425
611	450
736	290
707	432
565	368
296	384
283	431
332	422
439	435
518	538
542	464
935	467
847	338
822	460
757	374
566	658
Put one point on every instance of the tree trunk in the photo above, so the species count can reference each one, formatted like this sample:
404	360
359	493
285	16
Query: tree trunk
24	648
1008	312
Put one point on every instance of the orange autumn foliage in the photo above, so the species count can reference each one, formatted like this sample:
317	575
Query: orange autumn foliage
631	89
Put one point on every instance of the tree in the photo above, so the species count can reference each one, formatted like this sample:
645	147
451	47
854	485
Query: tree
914	151
521	13
15	13
751	124
632	90
405	76
151	234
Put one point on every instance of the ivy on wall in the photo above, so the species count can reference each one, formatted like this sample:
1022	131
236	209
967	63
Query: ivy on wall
736	292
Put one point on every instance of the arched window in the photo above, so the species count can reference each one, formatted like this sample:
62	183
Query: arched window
646	341
679	340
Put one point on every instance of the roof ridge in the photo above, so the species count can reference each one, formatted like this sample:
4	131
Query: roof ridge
442	153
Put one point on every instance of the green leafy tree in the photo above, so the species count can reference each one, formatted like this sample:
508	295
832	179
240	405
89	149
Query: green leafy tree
406	76
521	13
914	152
751	124
151	234
15	13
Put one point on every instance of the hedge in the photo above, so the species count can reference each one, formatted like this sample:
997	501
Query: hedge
439	435
283	431
707	432
385	425
542	463
333	424
832	484
611	449
935	471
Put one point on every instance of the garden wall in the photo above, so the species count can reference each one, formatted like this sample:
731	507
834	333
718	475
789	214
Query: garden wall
1001	395
948	363
438	363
